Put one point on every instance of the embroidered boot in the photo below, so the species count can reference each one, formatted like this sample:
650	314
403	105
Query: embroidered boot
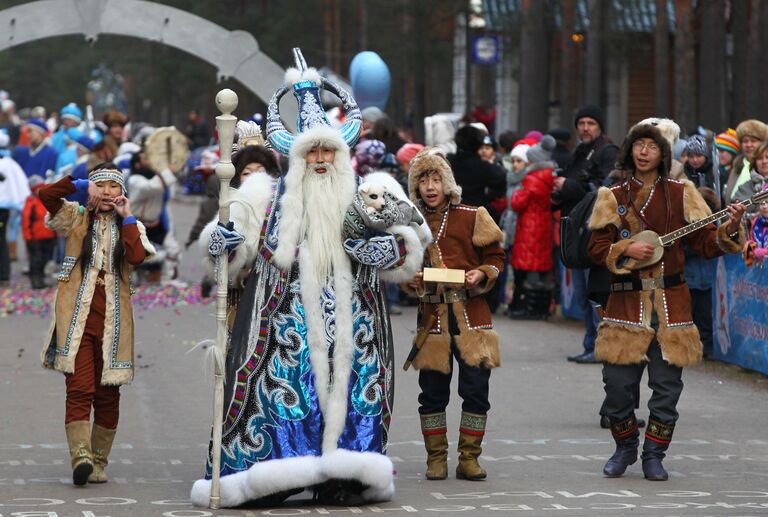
101	442
434	429
657	439
78	438
471	432
627	439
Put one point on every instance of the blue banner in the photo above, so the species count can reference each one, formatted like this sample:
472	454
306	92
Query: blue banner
740	319
572	290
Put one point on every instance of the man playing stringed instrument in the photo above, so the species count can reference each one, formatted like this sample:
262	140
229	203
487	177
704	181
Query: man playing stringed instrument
648	315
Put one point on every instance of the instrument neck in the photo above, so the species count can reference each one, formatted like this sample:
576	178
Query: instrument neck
685	230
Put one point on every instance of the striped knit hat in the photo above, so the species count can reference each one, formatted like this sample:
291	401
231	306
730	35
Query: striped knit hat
726	141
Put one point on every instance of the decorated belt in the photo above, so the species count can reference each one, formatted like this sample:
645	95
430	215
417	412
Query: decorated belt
452	296
630	283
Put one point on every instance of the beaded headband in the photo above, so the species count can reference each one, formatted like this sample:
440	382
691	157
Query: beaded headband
108	175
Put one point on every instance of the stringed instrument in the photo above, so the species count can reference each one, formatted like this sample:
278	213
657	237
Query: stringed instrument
661	242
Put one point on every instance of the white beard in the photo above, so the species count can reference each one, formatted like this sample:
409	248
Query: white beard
323	219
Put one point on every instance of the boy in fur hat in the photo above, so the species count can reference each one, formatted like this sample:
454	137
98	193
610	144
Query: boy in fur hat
463	238
648	315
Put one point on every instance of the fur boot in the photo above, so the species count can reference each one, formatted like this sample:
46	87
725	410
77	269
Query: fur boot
79	441
471	432
434	429
101	443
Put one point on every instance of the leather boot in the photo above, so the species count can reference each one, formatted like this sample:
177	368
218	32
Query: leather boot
627	439
657	438
434	429
101	443
79	441
471	432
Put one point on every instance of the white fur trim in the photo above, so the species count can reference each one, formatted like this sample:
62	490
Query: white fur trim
293	76
370	468
149	248
248	207
332	399
262	479
414	255
270	477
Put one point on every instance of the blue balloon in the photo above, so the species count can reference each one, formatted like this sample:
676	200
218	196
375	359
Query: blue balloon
370	79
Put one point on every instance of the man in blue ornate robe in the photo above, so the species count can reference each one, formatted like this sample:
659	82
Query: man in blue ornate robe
309	375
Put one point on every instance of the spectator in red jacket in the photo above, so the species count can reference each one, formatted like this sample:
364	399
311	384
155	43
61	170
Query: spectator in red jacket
532	249
40	239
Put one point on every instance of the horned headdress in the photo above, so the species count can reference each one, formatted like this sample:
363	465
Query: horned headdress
305	83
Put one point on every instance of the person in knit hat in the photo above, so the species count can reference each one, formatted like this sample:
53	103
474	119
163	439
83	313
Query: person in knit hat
532	250
750	134
368	155
407	153
465	238
592	161
39	158
727	148
698	164
508	224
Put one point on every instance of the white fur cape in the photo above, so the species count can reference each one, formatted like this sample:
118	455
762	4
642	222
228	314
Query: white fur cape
248	212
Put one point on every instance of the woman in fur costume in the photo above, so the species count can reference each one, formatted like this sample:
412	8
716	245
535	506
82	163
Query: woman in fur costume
91	336
648	316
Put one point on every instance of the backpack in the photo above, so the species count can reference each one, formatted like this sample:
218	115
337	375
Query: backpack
574	234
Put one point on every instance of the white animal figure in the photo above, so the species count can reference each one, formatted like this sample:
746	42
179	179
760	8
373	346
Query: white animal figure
373	196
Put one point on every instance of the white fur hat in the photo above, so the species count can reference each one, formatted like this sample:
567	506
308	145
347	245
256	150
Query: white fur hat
668	128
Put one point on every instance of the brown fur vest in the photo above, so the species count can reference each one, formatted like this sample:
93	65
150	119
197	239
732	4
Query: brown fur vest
464	238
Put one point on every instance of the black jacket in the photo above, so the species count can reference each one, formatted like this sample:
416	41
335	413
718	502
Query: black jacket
587	171
481	182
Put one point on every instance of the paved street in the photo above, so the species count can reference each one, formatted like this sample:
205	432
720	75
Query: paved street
544	449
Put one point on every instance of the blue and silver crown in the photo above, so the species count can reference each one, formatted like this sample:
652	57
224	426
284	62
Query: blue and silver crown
306	83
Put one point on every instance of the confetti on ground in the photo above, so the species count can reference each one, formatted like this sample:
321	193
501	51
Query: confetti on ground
22	300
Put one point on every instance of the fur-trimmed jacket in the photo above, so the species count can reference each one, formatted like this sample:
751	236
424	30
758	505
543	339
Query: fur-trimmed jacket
75	292
464	238
626	331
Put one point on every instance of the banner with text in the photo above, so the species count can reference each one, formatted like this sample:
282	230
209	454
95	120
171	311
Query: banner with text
740	319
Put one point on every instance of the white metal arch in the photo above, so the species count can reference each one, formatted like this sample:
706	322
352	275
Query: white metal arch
235	54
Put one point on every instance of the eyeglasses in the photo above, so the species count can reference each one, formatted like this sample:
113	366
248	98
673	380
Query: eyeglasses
650	147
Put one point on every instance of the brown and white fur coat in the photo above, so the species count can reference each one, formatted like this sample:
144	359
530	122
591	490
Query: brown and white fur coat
626	332
75	292
467	238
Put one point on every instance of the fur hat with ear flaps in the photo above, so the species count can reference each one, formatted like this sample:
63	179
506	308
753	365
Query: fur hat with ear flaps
624	160
432	159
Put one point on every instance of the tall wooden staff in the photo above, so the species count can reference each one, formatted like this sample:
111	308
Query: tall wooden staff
226	102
